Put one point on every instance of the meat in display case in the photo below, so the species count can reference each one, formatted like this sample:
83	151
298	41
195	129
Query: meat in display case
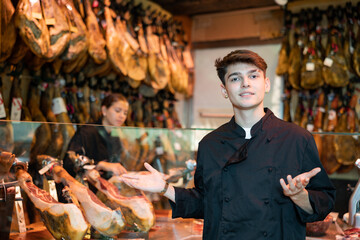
80	201
58	185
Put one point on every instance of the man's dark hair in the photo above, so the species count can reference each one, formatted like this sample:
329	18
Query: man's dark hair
239	56
111	98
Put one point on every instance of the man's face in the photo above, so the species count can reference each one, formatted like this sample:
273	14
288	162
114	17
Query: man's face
245	84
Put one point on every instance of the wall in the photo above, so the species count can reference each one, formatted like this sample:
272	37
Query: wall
207	98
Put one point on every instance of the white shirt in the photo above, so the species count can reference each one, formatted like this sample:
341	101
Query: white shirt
248	133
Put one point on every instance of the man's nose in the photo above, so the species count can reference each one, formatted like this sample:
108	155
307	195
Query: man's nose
245	82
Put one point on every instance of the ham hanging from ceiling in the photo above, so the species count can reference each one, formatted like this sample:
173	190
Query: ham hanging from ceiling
97	42
8	29
346	149
63	220
78	43
118	48
335	70
137	209
32	26
311	77
106	221
59	31
295	65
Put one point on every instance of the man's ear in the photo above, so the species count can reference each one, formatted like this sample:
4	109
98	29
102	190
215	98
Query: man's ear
223	91
267	85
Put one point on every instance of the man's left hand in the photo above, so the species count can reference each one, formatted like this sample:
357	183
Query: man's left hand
297	184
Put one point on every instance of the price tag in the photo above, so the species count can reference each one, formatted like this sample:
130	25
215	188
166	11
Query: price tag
50	21
321	109
177	146
310	127
310	66
332	114
328	62
159	150
2	108
58	106
16	109
36	15
46	168
305	50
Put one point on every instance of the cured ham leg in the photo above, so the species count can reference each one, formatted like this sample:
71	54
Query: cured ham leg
97	42
137	209
8	30
32	27
106	221
6	160
63	220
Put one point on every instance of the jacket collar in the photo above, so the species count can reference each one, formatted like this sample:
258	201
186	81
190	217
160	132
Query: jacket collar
258	127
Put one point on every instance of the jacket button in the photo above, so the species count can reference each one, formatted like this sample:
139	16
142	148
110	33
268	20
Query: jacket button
266	201
270	170
227	199
225	169
225	231
265	234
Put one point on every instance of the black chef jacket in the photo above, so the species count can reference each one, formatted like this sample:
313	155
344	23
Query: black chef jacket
96	143
245	200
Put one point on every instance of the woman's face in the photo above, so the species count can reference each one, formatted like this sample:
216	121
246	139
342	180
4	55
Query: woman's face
116	114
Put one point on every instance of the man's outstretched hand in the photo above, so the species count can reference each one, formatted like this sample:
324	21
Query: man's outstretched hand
153	181
297	184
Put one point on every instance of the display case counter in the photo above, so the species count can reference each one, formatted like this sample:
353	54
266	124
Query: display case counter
167	150
164	229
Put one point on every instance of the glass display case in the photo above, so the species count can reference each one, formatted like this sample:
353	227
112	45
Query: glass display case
171	151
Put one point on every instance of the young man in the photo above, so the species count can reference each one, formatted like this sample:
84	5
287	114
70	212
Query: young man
243	166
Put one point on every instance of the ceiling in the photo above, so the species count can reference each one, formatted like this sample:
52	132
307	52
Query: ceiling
195	7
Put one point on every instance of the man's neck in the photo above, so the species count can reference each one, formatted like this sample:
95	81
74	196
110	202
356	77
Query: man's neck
248	118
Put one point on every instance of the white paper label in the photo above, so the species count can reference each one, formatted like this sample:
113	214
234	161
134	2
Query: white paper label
46	168
321	109
310	66
177	146
16	109
58	106
305	50
332	114
159	150
328	62
310	127
2	108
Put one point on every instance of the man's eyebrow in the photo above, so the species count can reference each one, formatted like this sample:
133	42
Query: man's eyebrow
239	73
254	70
234	73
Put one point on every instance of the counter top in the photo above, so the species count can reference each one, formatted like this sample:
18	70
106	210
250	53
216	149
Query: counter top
165	229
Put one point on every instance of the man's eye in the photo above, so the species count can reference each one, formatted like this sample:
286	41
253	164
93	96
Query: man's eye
234	79
253	76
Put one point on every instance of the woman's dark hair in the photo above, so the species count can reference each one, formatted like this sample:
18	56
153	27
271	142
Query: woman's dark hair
111	98
239	56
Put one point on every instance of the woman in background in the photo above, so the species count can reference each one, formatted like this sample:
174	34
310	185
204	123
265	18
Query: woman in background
97	142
